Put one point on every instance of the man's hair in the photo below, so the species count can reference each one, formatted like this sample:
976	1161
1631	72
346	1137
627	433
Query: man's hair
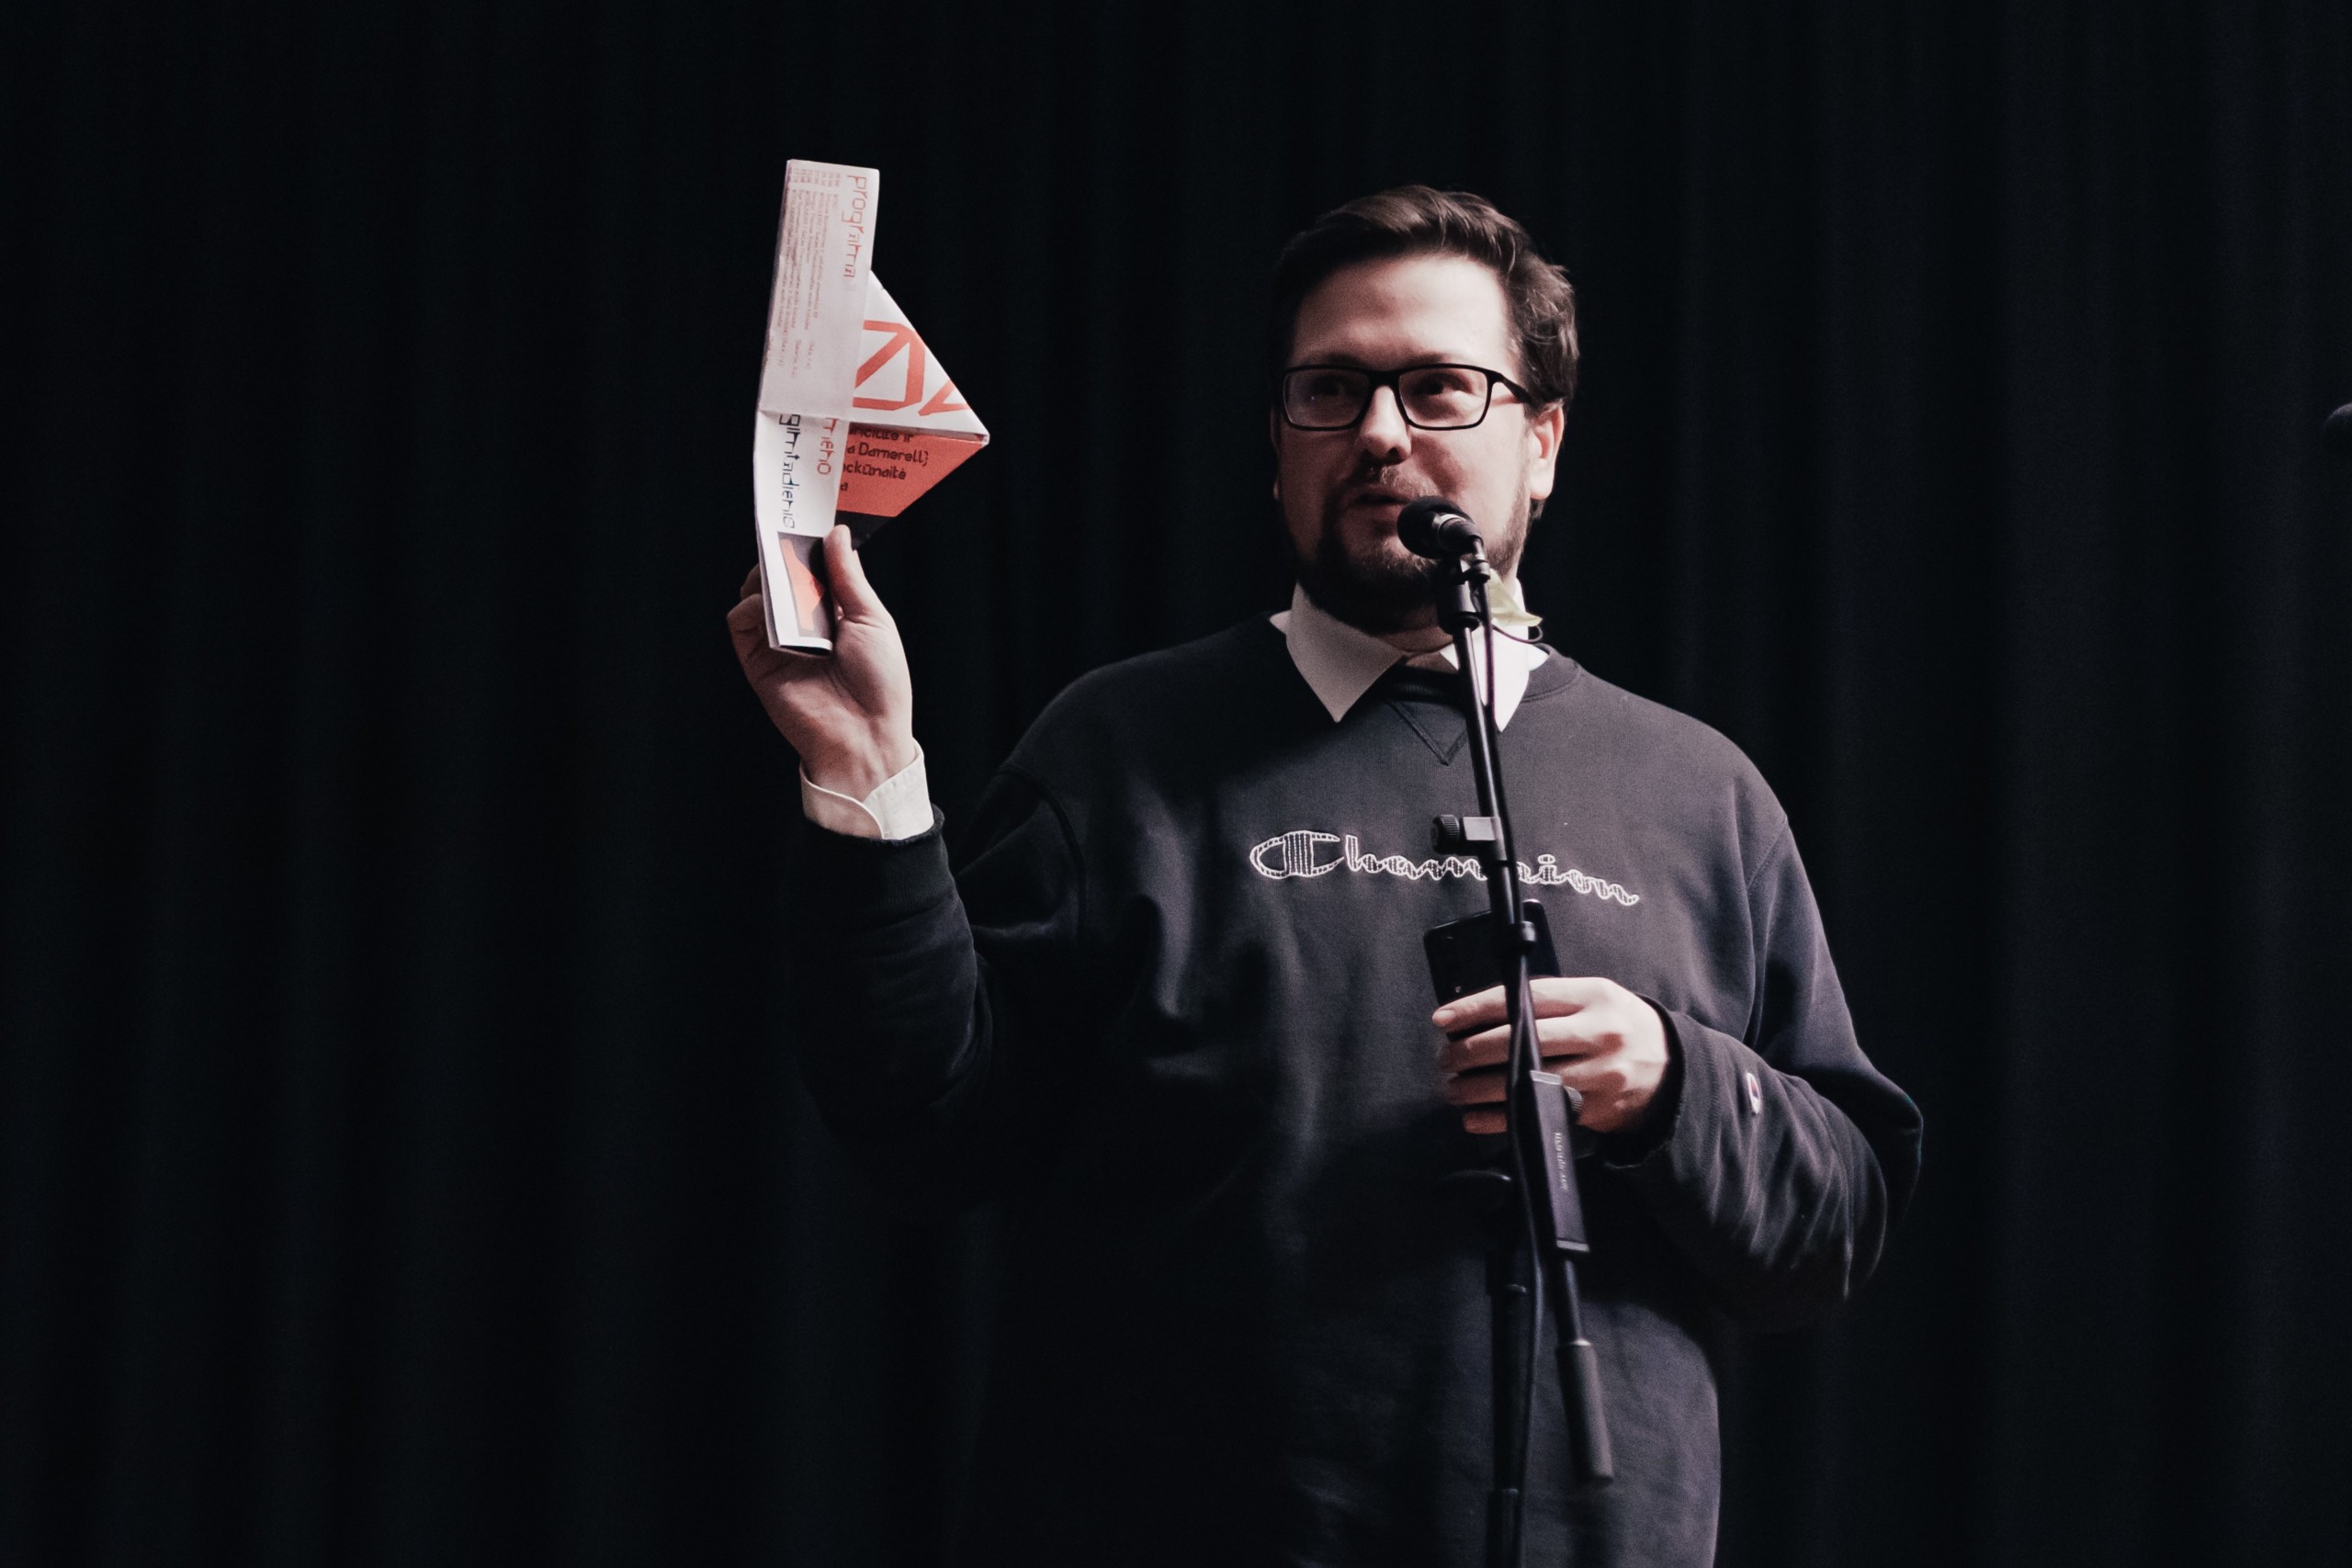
1412	221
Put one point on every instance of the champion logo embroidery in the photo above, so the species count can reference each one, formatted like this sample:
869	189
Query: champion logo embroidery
1304	852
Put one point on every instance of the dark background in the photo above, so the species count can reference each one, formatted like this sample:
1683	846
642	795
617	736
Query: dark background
399	1158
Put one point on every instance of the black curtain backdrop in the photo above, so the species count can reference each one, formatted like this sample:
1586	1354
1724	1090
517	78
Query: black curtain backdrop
399	1156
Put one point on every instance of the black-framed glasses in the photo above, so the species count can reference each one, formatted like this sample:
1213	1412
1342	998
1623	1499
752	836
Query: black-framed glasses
1431	396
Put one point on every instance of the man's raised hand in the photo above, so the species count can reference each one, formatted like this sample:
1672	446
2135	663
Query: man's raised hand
1606	1043
850	714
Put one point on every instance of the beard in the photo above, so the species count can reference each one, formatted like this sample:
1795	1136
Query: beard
1381	587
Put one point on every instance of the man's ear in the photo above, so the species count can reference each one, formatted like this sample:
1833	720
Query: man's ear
1274	440
1544	430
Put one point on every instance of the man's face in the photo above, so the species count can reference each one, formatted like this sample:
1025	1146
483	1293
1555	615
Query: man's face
1340	490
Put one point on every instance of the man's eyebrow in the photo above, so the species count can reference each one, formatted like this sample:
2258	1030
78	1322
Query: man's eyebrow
1358	362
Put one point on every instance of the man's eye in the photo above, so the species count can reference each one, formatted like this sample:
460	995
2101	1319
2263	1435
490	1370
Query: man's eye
1333	387
1440	382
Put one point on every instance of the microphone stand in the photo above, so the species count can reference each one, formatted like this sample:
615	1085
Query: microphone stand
1531	1249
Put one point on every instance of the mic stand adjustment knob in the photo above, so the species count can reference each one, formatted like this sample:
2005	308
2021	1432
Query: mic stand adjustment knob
1481	835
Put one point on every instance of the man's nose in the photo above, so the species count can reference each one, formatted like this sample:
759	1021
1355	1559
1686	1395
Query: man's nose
1383	435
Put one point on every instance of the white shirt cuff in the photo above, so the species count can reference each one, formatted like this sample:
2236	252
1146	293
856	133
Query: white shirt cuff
899	806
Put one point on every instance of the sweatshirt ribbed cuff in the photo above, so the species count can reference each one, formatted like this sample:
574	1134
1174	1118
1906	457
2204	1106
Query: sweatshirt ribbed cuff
866	882
1714	1073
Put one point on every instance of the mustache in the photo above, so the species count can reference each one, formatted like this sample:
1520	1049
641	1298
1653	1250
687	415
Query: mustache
1375	476
1371	481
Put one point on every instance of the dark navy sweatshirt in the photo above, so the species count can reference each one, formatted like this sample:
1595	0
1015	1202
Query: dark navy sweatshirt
1169	1006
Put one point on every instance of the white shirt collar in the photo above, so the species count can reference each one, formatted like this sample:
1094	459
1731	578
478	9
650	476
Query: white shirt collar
1341	662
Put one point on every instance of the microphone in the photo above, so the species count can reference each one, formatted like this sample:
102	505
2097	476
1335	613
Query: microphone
1434	527
2336	434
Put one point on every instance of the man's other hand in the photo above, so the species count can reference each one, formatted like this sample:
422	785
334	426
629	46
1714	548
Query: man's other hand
850	714
1605	1042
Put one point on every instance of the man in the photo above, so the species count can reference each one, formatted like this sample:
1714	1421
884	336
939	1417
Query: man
1170	1006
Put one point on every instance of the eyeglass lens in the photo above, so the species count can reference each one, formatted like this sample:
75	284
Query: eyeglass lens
1434	397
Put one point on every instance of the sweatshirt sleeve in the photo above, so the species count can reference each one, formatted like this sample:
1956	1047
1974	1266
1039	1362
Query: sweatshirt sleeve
1788	1158
916	985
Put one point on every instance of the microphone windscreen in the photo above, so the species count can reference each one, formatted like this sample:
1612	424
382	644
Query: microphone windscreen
1434	527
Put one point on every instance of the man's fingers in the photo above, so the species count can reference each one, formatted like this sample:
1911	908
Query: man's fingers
1484	1086
1484	1049
1475	1011
743	624
747	624
1488	1086
1490	1047
747	627
750	589
1555	997
1484	1064
845	574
